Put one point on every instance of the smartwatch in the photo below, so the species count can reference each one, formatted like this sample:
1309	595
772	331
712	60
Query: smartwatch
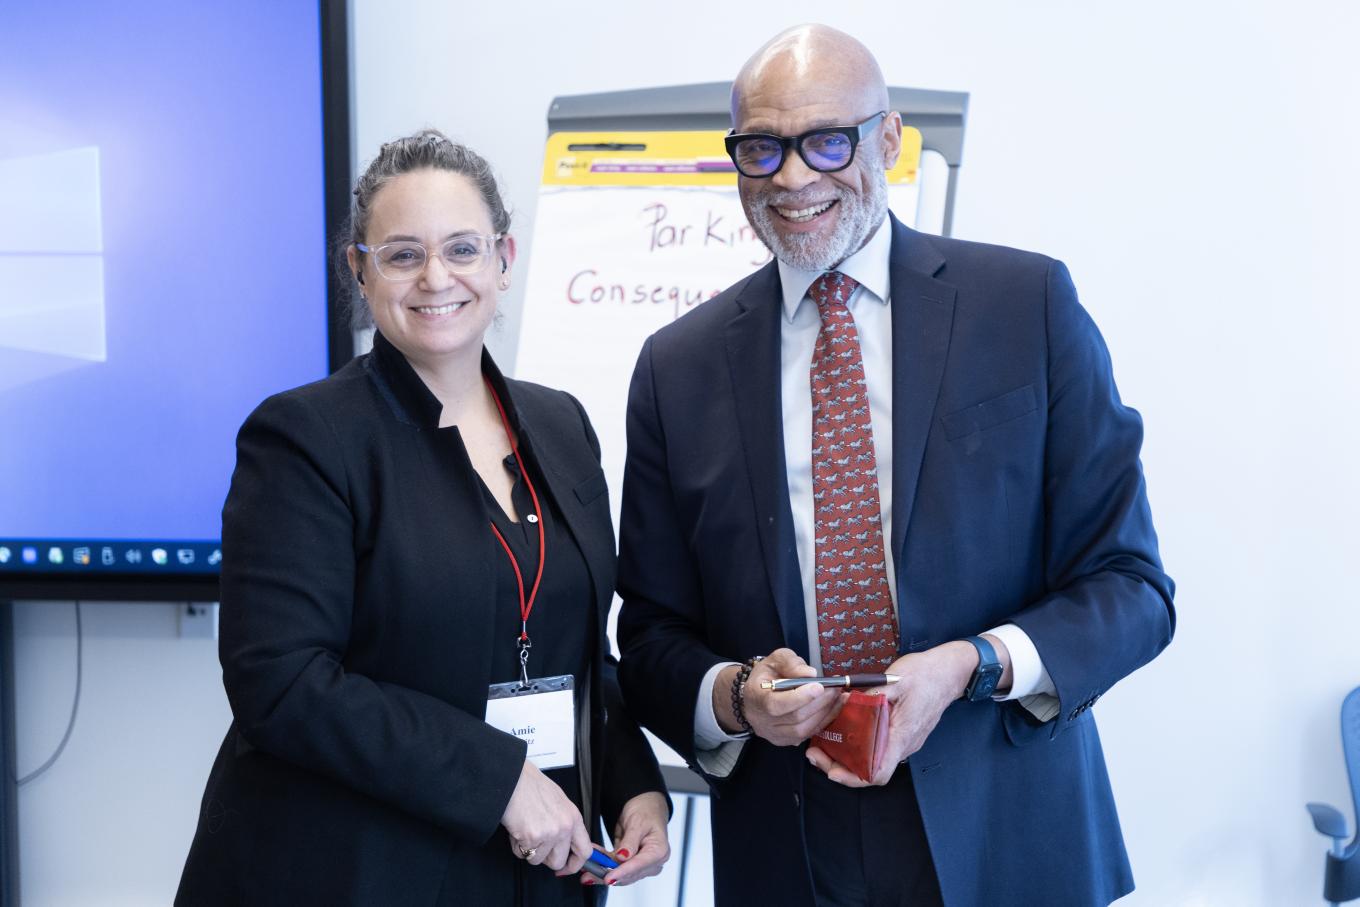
988	674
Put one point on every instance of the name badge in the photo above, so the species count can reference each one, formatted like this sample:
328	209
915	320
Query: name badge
542	714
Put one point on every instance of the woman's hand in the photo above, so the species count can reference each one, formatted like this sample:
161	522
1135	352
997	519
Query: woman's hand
542	819
640	843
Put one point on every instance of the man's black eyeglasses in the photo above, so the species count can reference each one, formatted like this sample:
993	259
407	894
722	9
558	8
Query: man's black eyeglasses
826	150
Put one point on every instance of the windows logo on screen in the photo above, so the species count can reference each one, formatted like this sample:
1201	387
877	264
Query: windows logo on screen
51	265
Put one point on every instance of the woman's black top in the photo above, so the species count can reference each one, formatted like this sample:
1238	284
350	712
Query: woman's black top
560	627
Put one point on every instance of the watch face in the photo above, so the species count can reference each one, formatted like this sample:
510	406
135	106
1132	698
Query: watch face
987	683
984	682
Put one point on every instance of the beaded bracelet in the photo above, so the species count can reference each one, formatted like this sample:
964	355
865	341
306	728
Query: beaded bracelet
739	692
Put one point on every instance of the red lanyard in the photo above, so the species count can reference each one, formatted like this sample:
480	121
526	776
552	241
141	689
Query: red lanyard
526	606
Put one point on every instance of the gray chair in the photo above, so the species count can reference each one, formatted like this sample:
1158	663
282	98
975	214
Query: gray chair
1341	876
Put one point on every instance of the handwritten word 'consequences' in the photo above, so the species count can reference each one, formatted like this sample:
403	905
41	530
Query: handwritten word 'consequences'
717	231
587	287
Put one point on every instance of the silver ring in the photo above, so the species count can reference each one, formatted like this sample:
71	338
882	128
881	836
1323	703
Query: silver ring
527	853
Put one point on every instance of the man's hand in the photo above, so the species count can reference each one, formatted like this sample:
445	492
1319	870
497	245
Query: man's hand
784	718
931	680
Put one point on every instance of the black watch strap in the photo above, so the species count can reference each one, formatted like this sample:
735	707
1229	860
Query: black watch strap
988	673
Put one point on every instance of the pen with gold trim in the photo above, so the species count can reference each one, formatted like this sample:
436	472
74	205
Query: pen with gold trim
852	681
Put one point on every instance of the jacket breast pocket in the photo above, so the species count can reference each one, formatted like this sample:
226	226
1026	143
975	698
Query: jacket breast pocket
591	488
990	413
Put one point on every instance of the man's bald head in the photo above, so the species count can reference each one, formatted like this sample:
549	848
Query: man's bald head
810	78
806	58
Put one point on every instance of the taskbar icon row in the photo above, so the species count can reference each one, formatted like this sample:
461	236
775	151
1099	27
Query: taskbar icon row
103	556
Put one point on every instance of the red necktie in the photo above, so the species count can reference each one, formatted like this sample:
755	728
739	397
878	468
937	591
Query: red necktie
856	627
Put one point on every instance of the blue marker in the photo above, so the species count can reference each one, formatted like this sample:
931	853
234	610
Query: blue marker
599	863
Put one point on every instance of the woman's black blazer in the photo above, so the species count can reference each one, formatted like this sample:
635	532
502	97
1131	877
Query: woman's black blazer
358	760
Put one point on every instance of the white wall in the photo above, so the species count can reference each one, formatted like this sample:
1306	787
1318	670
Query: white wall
110	823
1197	170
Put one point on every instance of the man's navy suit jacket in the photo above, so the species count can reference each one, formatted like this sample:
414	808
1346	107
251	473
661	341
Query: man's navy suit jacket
1017	496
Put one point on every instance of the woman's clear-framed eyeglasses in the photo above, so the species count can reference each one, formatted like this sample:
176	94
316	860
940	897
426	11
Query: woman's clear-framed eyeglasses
466	253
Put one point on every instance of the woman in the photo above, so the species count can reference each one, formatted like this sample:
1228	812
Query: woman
399	538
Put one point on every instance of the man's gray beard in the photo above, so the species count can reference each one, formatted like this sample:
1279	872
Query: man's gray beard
810	252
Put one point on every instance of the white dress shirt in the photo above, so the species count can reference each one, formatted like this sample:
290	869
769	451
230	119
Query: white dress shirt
869	306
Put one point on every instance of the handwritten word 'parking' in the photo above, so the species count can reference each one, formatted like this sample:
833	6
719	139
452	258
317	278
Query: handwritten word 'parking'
717	230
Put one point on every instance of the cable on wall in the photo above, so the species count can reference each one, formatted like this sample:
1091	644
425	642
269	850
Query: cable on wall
75	708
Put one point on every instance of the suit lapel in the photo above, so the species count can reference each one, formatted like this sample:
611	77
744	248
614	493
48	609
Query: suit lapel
753	360
922	318
596	547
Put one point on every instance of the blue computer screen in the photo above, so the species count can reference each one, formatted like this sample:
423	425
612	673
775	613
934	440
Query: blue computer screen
162	267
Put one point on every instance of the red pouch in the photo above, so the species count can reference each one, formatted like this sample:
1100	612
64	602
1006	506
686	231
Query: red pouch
858	737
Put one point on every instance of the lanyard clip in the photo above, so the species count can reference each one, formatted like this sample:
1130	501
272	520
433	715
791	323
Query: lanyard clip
524	645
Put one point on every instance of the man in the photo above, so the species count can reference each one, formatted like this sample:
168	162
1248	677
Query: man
894	451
